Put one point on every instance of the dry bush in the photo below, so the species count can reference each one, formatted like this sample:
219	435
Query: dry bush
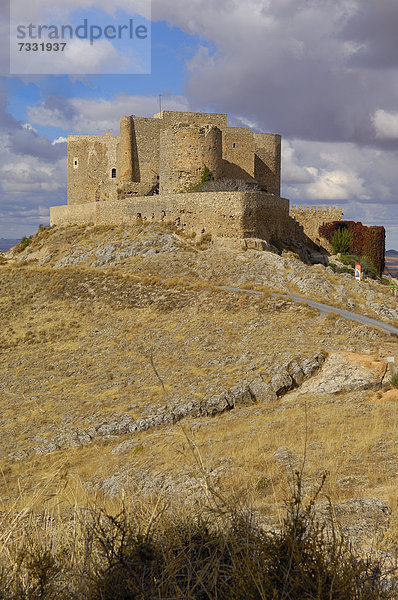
218	552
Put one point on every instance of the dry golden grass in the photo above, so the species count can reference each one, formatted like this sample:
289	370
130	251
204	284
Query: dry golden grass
81	345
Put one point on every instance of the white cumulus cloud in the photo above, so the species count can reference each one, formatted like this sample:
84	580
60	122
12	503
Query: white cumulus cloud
386	124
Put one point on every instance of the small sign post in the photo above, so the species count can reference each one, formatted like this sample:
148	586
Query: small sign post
358	271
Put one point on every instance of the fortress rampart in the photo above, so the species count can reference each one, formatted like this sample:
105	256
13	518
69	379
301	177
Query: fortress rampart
222	214
148	173
310	218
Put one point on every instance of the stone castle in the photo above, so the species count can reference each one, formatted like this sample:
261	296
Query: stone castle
151	172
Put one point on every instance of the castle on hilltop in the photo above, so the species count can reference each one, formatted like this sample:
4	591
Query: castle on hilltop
151	172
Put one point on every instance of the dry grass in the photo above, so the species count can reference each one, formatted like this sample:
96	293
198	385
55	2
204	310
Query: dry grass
135	549
81	345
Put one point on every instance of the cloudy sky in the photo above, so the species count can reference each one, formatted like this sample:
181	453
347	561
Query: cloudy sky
322	73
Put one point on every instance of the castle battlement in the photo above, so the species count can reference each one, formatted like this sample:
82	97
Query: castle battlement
326	210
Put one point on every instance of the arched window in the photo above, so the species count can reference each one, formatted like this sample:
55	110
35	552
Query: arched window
113	175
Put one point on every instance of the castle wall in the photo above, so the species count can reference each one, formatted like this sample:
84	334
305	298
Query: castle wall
171	117
146	143
223	214
126	189
184	151
311	218
73	214
267	161
90	161
238	153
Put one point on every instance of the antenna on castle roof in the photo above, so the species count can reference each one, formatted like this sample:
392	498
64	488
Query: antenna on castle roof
160	102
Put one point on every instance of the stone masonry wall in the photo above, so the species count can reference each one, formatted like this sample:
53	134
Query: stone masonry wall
238	153
184	151
267	161
91	159
146	148
126	171
171	117
223	214
311	218
73	214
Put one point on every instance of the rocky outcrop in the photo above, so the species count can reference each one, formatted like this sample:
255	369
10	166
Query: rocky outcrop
287	377
345	372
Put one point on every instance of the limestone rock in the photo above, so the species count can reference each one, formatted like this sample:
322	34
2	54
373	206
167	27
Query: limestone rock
240	394
296	372
281	383
217	404
261	391
283	456
285	379
341	375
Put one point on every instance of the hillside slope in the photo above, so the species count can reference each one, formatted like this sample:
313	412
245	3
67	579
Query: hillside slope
119	353
392	263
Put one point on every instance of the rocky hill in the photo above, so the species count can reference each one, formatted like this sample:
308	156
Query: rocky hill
129	352
392	262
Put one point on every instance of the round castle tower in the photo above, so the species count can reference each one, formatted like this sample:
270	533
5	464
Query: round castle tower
184	152
126	149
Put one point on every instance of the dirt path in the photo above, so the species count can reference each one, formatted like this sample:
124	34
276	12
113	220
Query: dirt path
325	309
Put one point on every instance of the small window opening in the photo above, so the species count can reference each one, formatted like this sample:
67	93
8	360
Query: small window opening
75	163
113	173
234	145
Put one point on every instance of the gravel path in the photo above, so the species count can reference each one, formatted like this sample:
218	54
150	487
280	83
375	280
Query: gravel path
325	309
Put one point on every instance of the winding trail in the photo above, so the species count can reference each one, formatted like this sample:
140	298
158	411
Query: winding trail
323	308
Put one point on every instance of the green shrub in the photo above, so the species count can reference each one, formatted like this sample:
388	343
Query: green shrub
338	269
341	240
24	243
349	259
207	175
368	269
